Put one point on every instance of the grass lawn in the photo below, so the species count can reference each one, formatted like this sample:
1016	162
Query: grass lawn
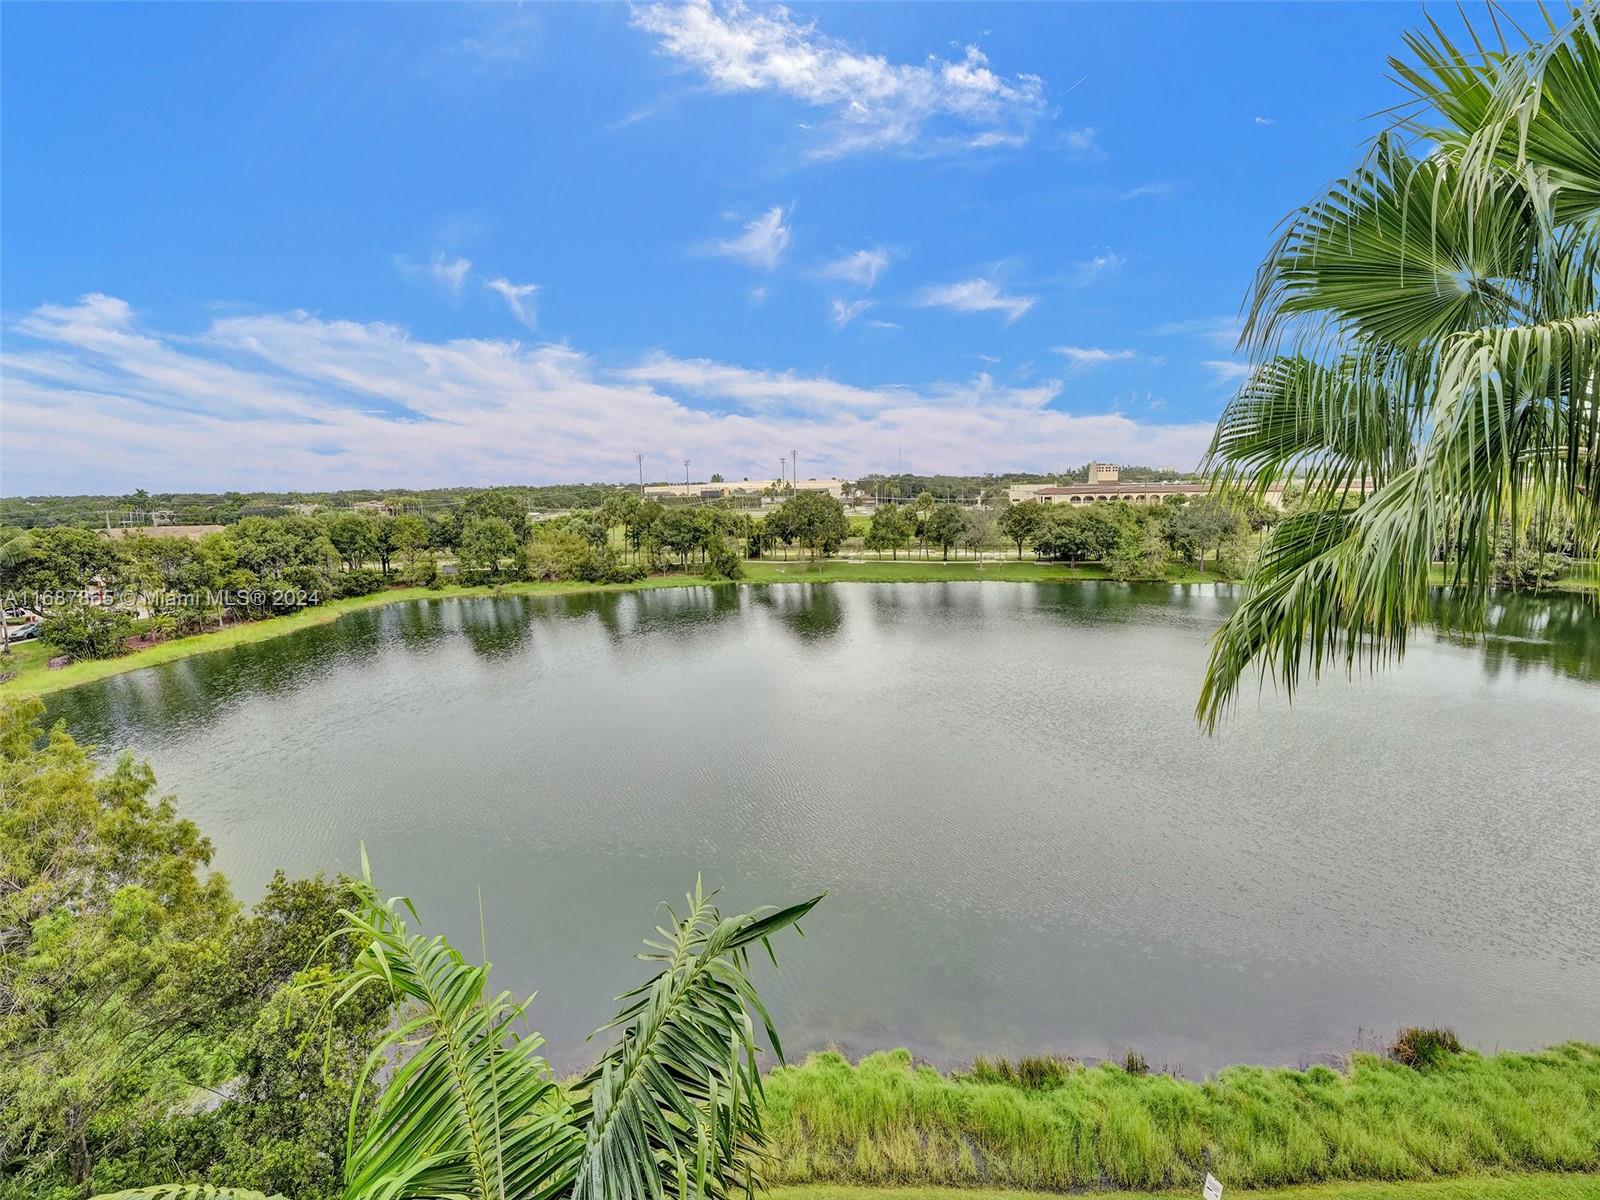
1508	1187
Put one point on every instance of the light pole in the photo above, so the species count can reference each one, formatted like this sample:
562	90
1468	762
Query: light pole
640	459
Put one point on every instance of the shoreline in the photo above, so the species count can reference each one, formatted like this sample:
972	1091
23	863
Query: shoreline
33	677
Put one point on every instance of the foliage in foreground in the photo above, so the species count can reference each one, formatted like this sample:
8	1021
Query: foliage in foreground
1428	327
468	1108
131	984
886	1122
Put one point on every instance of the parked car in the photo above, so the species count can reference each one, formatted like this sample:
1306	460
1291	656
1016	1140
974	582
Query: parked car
22	633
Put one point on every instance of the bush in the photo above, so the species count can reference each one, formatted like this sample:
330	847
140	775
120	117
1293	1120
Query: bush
423	573
625	573
360	582
721	562
87	630
1420	1049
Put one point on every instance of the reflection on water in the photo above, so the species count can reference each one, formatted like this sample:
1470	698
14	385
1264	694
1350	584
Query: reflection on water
1027	844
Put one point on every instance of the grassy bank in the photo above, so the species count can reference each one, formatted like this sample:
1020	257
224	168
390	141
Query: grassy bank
886	1122
1541	1186
31	674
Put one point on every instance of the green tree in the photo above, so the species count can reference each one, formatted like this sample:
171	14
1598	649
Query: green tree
1140	554
944	527
354	535
1021	522
486	544
977	529
508	504
1423	340
817	521
1203	526
109	929
889	530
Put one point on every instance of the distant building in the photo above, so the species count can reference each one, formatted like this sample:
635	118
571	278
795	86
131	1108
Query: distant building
1089	493
741	487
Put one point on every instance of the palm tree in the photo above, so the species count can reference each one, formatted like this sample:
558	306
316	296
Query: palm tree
1425	339
470	1109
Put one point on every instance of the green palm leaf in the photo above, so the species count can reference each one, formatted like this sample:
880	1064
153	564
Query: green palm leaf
1429	325
674	1107
470	1109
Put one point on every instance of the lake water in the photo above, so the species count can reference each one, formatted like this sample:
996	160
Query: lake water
1027	843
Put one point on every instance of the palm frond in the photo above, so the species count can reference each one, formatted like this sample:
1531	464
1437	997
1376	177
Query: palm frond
1327	427
1394	252
673	1109
470	1108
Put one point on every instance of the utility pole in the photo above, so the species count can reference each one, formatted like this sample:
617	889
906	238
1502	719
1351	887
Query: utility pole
780	474
794	467
686	472
640	458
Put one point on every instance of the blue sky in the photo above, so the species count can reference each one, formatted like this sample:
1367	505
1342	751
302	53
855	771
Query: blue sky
277	246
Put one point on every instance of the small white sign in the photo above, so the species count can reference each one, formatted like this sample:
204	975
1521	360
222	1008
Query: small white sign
1213	1187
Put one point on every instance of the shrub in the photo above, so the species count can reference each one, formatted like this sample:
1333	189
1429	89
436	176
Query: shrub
1135	1063
721	562
1420	1049
360	582
87	630
625	573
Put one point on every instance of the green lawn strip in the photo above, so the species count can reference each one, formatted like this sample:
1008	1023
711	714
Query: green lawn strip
31	674
886	1121
1478	1187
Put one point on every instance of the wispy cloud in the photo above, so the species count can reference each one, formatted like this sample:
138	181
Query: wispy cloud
1219	331
762	244
449	274
844	312
1083	358
1093	268
1266	120
1082	143
1147	189
874	103
518	298
1226	370
976	295
861	267
96	398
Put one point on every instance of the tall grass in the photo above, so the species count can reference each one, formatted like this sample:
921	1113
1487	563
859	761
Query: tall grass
1065	1126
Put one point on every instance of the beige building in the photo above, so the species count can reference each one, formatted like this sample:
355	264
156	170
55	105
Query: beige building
741	487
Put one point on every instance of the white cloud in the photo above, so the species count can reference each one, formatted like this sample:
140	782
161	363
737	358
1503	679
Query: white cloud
861	267
976	295
1266	120
843	313
1220	331
518	298
1226	370
1083	143
874	103
1083	358
98	400
1091	269
447	274
762	244
1147	189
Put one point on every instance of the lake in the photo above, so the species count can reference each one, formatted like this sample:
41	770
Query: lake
1027	843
